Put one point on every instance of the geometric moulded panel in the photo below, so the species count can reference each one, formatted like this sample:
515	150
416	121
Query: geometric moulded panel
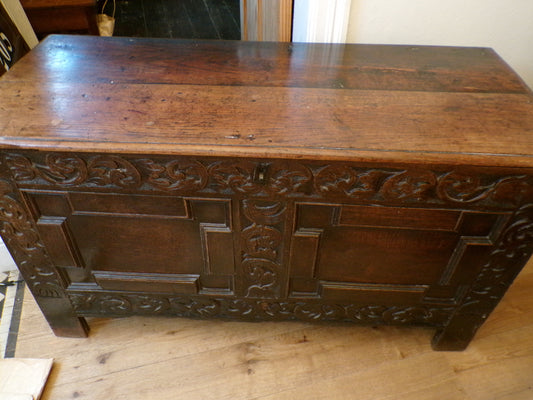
188	242
391	254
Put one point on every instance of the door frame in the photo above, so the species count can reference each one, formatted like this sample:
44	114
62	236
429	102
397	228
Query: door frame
324	21
266	20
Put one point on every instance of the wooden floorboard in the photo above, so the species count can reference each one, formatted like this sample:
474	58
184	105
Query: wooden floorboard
184	19
129	18
223	19
157	17
173	358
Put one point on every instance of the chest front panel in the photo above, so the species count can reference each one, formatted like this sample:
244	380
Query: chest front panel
267	239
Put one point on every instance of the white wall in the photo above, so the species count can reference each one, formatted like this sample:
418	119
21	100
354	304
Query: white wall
505	25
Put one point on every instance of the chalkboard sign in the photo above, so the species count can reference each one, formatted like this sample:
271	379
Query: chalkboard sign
12	44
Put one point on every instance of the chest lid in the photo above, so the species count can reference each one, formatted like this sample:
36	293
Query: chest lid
273	100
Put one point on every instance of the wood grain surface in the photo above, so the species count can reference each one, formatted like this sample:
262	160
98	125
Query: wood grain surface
357	102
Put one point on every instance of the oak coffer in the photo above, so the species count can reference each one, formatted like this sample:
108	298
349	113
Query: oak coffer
266	181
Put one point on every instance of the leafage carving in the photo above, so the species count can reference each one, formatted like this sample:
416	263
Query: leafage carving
398	315
199	307
71	170
261	241
422	186
175	175
113	170
237	176
344	180
264	214
21	167
280	178
455	186
262	277
151	304
254	309
20	235
409	185
63	169
288	179
276	179
511	252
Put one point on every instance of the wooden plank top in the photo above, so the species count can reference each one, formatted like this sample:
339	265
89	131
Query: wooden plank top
315	101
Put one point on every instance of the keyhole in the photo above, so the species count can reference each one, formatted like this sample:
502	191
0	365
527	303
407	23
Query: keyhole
261	174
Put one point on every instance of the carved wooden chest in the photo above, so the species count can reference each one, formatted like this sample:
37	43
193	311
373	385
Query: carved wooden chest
263	181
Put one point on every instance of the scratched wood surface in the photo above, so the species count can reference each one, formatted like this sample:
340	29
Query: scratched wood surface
141	358
357	102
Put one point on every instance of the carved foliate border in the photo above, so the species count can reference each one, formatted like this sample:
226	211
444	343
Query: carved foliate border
510	254
22	239
278	179
105	303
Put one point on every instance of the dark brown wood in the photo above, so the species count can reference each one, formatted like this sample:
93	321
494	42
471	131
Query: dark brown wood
61	15
419	119
235	63
241	180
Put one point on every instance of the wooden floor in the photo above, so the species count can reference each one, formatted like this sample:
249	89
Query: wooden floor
185	19
160	358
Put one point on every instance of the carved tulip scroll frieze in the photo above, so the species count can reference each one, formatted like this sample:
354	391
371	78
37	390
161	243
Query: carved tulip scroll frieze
277	179
71	170
415	185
